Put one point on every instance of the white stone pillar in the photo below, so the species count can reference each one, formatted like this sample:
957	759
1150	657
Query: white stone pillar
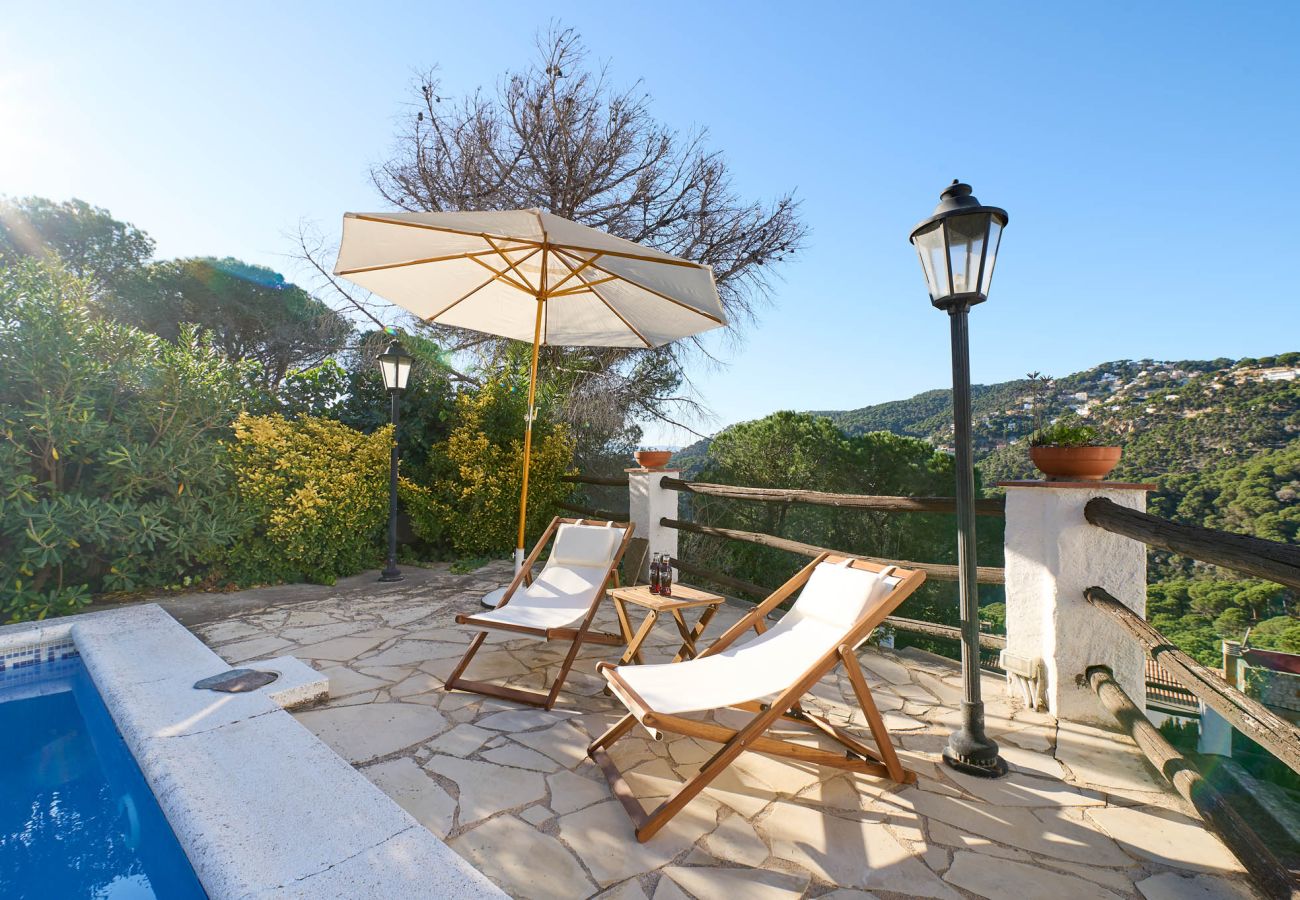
1052	554
647	503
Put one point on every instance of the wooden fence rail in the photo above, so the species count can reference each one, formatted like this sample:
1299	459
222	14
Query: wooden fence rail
995	506
947	632
1248	716
1268	873
1264	868
984	574
604	480
757	591
916	626
1269	560
590	513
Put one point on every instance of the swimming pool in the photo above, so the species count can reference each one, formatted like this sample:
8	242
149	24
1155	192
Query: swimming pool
76	816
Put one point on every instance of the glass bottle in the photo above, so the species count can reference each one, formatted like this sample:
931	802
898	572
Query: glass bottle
666	577
654	574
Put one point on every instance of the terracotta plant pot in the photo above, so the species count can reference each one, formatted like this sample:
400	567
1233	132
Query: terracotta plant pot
653	459
1075	463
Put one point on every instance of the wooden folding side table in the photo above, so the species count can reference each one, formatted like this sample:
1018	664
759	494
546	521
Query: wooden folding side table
683	598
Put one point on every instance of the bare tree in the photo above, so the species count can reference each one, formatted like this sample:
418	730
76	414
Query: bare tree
558	136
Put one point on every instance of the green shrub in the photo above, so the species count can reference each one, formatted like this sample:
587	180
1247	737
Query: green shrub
472	500
314	497
1278	633
995	614
806	451
1063	435
112	471
428	511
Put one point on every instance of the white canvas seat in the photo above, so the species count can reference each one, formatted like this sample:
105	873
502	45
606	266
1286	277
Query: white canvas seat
842	601
768	663
559	595
565	593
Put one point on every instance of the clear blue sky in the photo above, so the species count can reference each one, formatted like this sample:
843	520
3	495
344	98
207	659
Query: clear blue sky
1147	154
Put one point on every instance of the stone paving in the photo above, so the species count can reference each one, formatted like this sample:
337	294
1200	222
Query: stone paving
510	788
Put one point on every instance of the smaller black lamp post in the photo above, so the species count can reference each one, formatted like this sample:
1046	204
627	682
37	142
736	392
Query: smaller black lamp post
958	246
395	364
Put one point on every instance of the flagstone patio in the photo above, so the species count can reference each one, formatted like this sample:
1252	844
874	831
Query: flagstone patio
511	789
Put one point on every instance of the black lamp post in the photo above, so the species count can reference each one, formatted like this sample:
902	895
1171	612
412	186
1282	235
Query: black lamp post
958	246
395	364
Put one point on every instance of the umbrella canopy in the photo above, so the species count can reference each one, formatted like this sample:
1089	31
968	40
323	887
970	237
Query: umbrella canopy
532	276
479	270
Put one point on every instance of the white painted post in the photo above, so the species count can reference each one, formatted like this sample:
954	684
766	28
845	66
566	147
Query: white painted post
647	503
1215	737
1052	554
1215	731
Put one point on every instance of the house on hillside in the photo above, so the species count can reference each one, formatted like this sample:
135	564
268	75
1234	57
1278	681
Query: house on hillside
1272	373
1269	676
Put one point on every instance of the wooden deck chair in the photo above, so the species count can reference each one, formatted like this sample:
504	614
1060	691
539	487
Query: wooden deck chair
568	590
843	599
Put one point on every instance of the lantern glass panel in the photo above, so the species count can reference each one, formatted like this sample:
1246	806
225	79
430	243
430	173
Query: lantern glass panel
994	238
929	246
395	367
965	247
388	366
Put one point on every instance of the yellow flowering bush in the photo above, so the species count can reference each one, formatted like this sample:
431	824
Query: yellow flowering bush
313	493
473	499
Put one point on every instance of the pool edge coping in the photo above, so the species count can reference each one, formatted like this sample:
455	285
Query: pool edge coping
220	766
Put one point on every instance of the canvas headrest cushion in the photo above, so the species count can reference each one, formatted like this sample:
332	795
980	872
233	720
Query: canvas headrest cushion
585	545
839	594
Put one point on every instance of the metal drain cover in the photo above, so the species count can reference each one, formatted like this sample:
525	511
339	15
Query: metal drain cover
236	681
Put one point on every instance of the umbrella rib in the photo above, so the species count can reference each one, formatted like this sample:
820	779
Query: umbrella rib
585	289
572	273
608	305
367	217
514	266
416	262
448	307
503	277
650	290
664	260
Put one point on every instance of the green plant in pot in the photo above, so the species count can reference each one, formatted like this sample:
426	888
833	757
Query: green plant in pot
1067	452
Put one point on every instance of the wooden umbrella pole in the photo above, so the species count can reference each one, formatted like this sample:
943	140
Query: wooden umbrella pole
528	431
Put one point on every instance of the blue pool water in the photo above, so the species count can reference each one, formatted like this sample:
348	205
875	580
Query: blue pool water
77	819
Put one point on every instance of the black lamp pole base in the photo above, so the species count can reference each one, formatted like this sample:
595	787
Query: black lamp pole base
391	574
971	751
981	769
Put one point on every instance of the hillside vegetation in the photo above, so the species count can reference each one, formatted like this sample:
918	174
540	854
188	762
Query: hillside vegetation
1219	438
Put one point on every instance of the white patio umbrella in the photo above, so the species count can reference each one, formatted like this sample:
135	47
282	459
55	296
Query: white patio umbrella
531	276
